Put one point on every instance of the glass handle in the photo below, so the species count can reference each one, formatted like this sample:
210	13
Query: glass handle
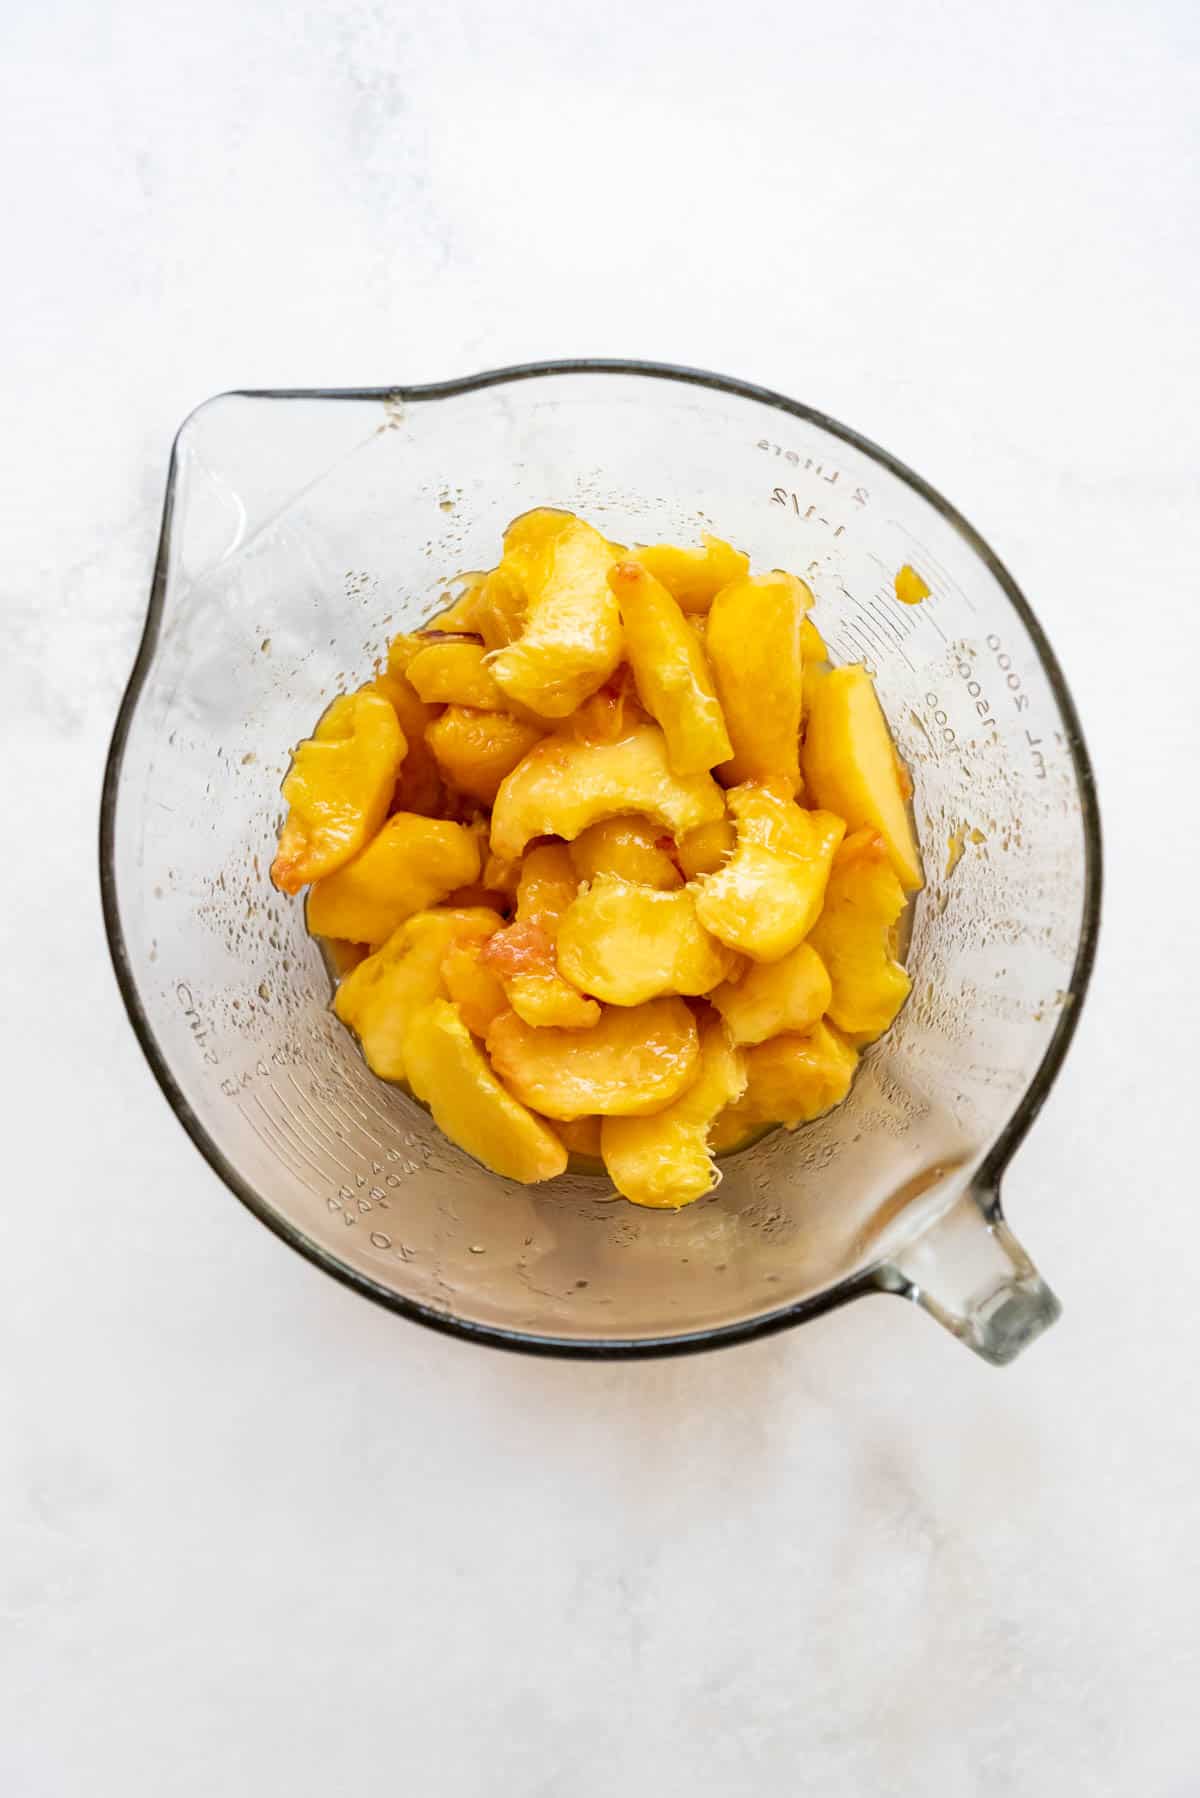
969	1271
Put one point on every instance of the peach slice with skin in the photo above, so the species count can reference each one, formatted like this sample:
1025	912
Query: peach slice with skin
338	789
627	944
665	1161
853	936
410	865
671	669
634	1062
379	998
449	1071
562	786
767	897
851	765
754	651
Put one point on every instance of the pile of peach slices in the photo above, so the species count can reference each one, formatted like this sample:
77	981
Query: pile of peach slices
609	860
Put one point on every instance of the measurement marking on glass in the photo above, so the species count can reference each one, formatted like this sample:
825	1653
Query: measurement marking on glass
291	1120
353	1123
315	1131
881	614
294	1147
278	1150
931	563
863	645
869	625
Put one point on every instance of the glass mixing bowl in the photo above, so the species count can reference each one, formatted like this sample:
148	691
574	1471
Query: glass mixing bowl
300	531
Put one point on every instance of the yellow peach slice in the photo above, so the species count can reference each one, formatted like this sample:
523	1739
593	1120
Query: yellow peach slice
665	1161
634	1062
522	955
812	643
379	997
580	1136
627	943
473	986
706	849
571	639
757	662
694	577
767	897
338	789
611	712
448	1070
911	587
671	670
774	997
853	936
790	1080
418	784
498	608
561	787
630	849
851	766
475	750
411	864
454	671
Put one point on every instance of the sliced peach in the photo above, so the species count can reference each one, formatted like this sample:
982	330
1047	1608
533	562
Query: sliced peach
462	613
812	643
694	577
612	711
580	1136
454	671
498	608
767	897
665	1161
522	956
571	638
911	587
475	750
473	986
671	670
757	663
337	789
630	849
448	1070
627	943
706	849
418	784
790	1080
851	766
561	787
379	997
772	997
411	864
853	936
634	1062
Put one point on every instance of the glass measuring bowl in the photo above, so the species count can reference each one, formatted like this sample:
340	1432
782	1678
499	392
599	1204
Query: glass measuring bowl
300	531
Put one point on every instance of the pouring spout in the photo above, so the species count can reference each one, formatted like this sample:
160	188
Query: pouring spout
968	1270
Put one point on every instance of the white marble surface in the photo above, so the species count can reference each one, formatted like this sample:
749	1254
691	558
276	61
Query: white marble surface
258	1537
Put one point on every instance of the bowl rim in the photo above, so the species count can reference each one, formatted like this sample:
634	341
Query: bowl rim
877	1278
